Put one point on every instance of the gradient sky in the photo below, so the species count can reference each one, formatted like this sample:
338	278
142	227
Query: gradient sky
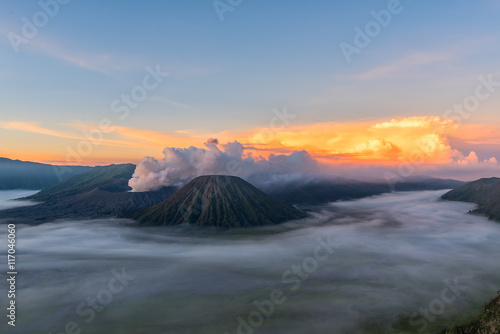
226	77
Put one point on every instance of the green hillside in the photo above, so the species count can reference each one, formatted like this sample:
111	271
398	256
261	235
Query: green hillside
16	174
102	192
488	322
484	192
100	176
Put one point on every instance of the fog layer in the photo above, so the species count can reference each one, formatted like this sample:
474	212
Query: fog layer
7	199
405	262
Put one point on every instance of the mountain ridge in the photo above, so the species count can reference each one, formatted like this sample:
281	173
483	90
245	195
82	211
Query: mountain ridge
102	192
324	191
218	201
484	192
28	175
99	176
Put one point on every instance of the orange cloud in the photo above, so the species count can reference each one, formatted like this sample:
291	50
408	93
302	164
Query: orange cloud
387	142
36	128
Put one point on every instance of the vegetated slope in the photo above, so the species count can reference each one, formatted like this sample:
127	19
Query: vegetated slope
96	203
484	192
16	174
219	201
488	322
103	192
113	177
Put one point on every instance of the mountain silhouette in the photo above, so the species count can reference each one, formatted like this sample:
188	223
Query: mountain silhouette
101	192
484	192
218	201
16	174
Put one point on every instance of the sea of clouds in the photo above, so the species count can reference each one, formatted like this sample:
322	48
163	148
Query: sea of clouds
392	257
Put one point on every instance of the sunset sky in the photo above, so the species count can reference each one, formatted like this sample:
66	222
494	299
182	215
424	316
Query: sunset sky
272	75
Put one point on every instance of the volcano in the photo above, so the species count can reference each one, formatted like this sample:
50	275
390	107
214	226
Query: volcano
218	201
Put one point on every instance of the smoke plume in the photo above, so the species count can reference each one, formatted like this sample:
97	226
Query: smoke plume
179	166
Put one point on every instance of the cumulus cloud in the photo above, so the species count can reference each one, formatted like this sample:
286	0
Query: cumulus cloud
376	148
383	142
472	159
416	122
432	139
214	141
357	150
179	166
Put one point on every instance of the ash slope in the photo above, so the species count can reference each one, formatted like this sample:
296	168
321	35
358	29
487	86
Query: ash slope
219	201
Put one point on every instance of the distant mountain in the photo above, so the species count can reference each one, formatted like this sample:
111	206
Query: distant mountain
16	174
418	183
112	178
487	322
484	192
219	201
102	192
324	191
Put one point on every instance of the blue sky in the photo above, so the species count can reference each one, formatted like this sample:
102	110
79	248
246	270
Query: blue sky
230	74
265	54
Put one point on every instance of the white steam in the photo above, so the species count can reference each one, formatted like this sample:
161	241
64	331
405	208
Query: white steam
179	166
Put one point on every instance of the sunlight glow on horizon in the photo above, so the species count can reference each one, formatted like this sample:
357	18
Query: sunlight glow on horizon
390	142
